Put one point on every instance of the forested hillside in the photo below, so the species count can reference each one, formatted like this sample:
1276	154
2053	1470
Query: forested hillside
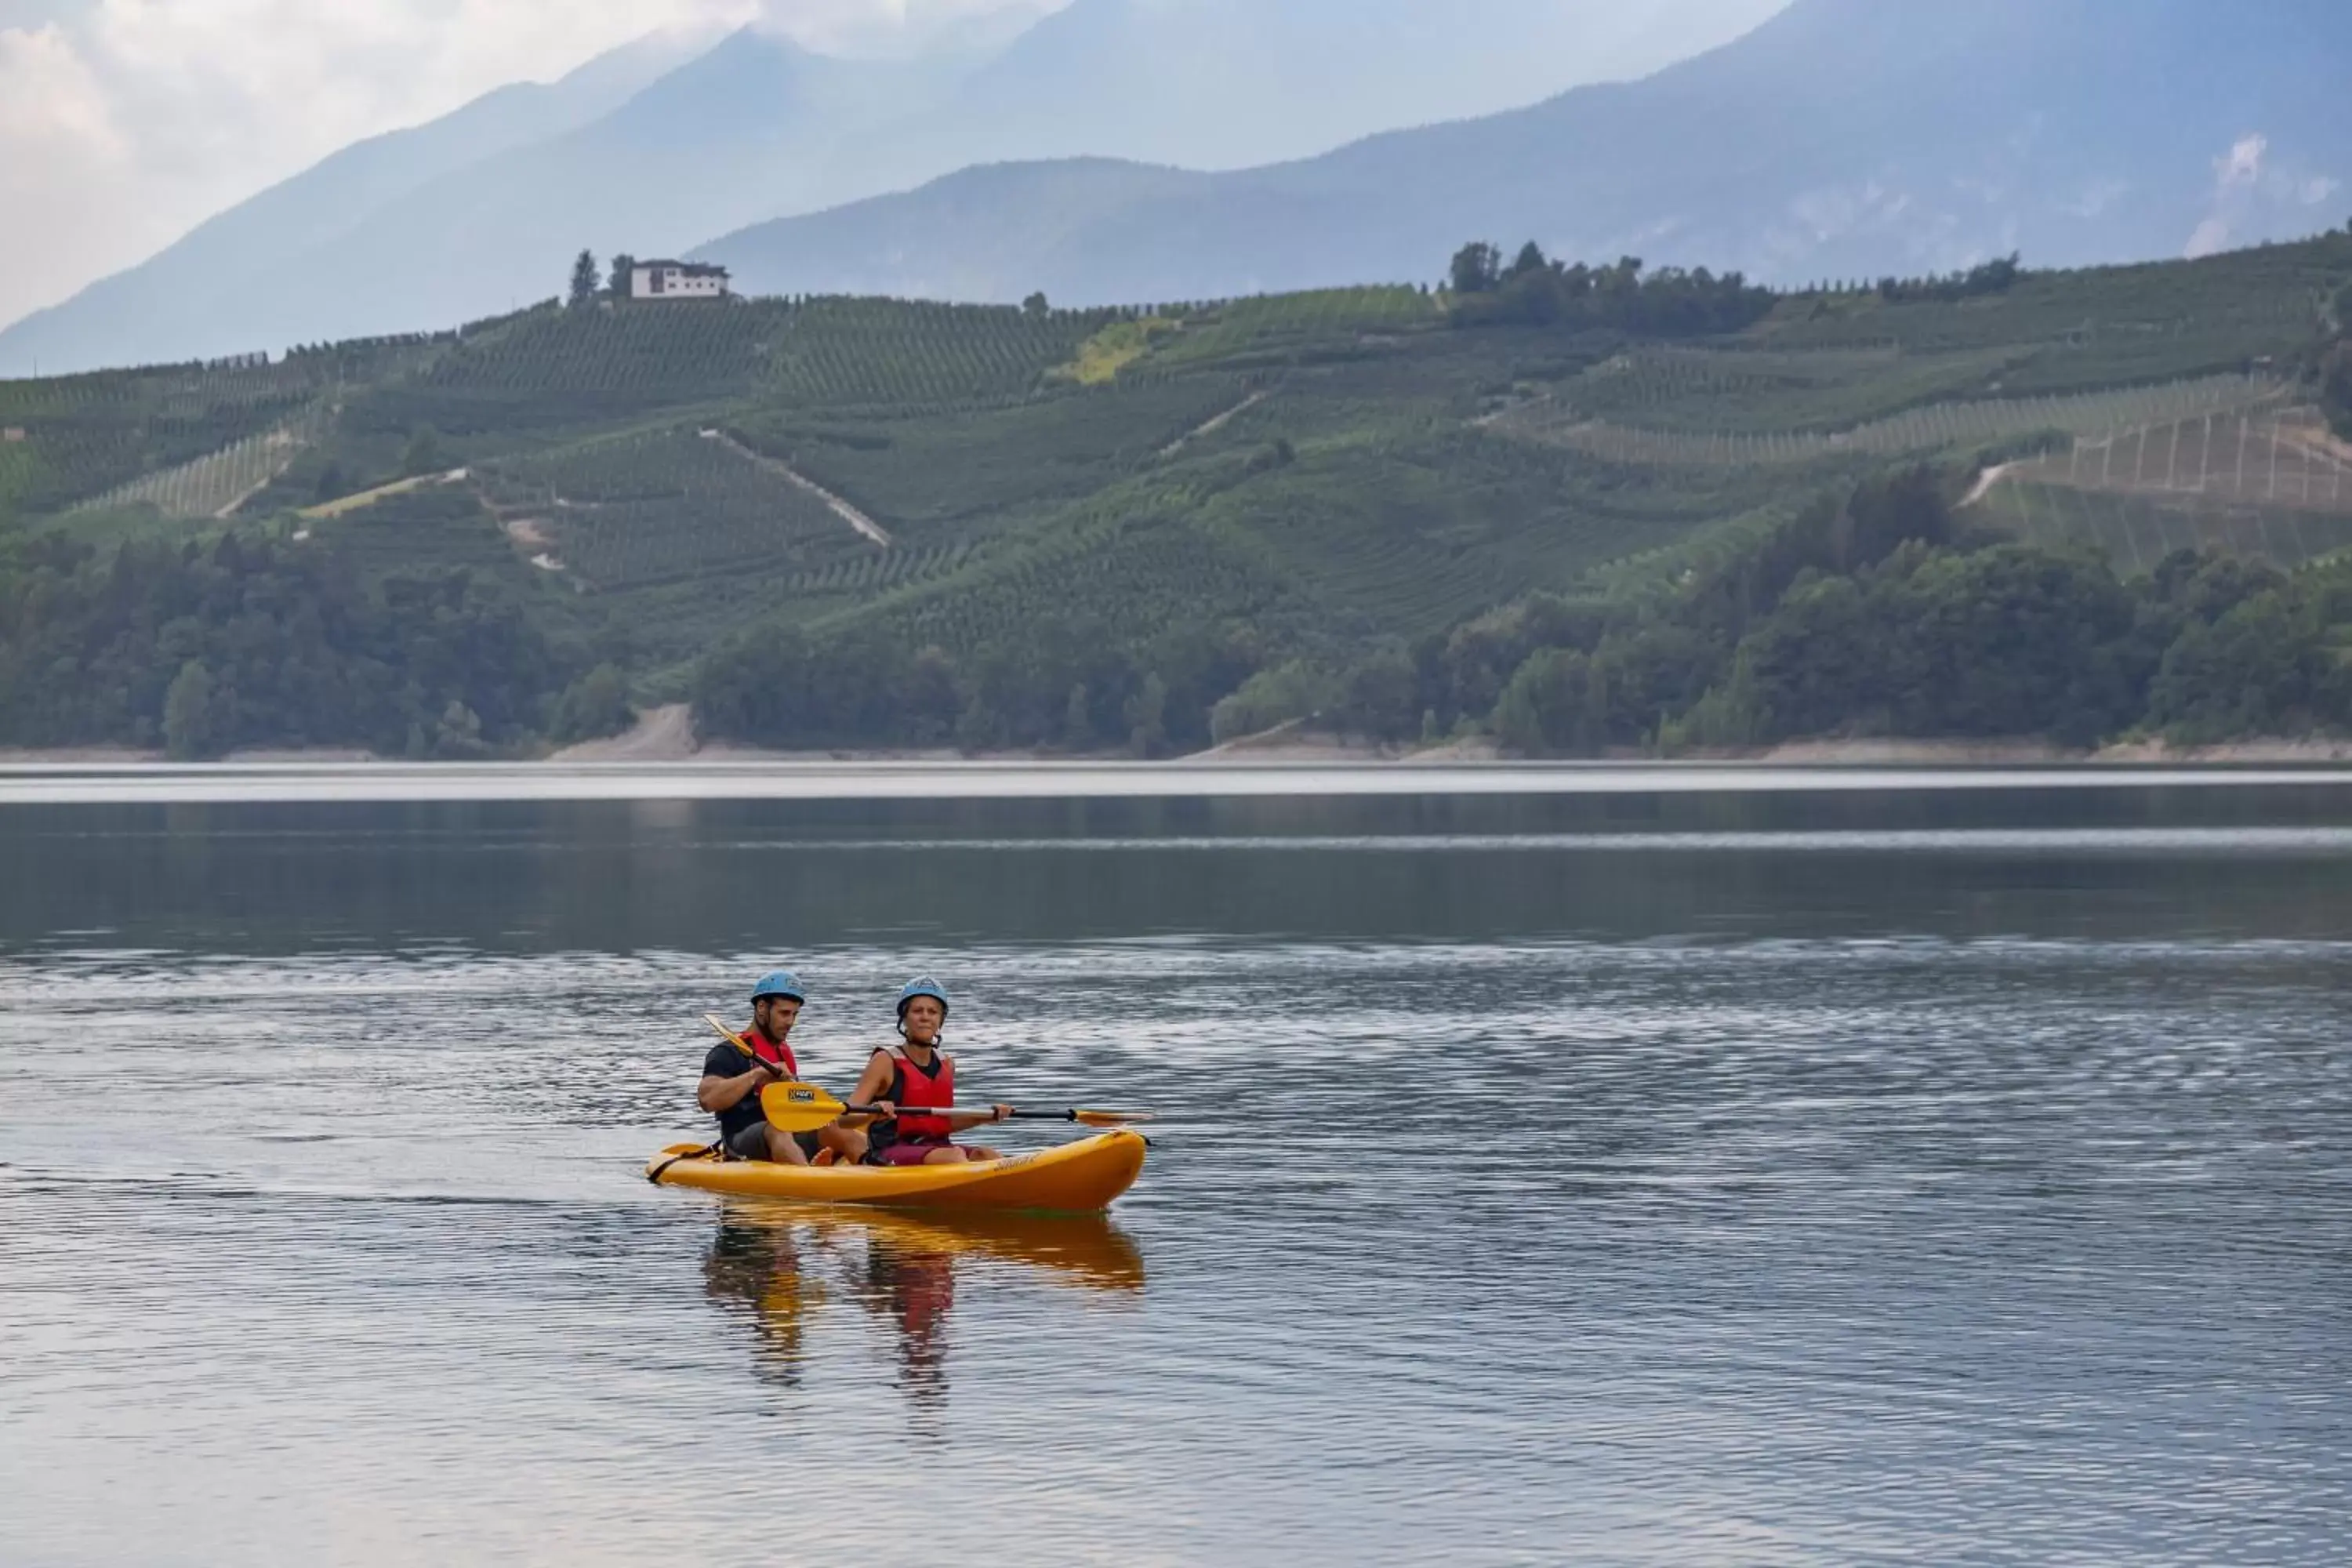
1572	506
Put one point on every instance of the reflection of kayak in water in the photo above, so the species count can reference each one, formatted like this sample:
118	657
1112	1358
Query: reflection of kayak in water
1083	1249
1075	1178
903	1268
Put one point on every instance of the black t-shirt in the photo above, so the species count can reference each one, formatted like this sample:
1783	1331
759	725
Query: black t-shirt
728	1060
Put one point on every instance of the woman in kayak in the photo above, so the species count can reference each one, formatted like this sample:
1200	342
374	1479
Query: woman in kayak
915	1085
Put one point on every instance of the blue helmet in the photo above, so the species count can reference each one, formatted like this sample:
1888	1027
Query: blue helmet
923	985
780	982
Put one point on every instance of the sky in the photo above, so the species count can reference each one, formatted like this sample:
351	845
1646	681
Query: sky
123	123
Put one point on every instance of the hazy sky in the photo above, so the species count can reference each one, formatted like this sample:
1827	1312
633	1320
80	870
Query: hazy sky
125	122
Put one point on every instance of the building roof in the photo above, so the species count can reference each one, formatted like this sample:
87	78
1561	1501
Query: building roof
691	269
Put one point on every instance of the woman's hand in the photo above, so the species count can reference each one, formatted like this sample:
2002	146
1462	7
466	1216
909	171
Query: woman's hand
1000	1113
882	1108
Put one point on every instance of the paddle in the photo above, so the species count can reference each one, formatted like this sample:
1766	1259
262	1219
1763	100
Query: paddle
796	1107
804	1108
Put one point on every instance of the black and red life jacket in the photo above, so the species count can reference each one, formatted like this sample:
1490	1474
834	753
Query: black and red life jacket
911	1086
776	1053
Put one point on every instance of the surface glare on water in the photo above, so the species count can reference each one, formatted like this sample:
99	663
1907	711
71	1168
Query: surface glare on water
1957	1176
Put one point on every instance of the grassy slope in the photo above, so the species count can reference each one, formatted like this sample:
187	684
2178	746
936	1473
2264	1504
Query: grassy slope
1326	468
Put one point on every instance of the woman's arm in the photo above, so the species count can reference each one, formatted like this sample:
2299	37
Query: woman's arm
873	1083
964	1120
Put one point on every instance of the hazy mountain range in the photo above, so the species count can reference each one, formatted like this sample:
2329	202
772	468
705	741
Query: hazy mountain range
1842	139
1146	150
652	153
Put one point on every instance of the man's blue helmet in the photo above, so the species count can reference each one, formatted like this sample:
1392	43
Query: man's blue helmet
780	982
923	985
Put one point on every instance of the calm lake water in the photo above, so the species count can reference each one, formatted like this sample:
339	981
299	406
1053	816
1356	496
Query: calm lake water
1636	1172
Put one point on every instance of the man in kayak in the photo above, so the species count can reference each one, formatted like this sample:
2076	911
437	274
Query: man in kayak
732	1078
914	1086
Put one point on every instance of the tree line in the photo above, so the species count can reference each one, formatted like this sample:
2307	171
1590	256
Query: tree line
588	285
1067	684
1533	290
250	640
1875	611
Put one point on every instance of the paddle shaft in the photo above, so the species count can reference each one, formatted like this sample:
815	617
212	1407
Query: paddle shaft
944	1109
1085	1118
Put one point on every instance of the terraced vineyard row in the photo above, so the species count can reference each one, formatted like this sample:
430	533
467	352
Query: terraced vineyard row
211	486
1938	428
684	352
2117	323
1759	392
171	392
2137	530
666	506
1137	579
853	352
1236	331
2263	456
949	468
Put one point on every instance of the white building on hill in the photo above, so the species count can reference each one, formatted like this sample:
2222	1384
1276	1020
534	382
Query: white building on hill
676	281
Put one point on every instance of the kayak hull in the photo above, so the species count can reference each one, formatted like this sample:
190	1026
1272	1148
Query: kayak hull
1075	1178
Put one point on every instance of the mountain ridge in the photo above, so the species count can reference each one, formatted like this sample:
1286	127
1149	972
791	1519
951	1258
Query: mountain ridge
754	126
2006	125
112	320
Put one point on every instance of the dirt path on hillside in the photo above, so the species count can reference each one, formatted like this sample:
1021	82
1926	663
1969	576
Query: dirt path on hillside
2318	441
1216	423
840	507
1986	480
355	501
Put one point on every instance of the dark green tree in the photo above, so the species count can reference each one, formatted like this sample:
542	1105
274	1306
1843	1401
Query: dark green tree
624	266
583	279
597	704
1147	718
1557	705
422	453
1477	268
188	713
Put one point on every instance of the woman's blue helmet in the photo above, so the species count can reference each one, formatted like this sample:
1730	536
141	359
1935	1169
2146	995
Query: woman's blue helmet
779	983
923	985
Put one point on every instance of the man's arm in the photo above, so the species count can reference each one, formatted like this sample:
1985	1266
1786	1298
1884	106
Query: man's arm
715	1094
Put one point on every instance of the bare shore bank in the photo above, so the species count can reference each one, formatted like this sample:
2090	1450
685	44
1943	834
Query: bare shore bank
666	736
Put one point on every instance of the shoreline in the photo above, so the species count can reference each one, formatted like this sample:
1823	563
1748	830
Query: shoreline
1294	752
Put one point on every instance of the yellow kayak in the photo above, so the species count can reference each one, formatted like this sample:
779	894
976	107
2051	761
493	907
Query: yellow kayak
1077	1178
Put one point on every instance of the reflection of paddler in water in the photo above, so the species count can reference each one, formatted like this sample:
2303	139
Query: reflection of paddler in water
757	1263
909	1273
912	1263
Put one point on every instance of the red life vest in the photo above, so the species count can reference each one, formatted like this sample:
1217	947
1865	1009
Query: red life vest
778	1053
911	1086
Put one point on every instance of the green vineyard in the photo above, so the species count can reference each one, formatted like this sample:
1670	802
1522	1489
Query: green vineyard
1279	479
2269	482
215	484
948	472
908	355
663	507
1939	426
